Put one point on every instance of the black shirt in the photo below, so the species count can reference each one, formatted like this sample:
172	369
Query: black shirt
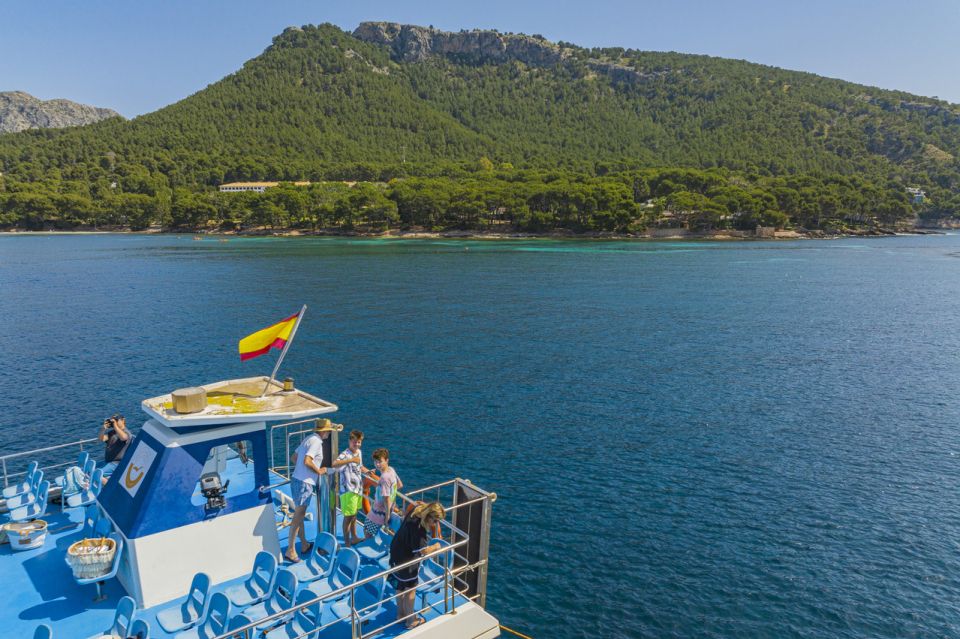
408	542
116	447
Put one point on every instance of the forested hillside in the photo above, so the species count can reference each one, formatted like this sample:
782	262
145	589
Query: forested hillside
480	130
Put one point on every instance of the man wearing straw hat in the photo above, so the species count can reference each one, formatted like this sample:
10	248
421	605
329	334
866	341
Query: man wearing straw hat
307	470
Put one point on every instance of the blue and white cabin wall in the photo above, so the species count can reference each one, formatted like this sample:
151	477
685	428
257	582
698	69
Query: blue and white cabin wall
153	500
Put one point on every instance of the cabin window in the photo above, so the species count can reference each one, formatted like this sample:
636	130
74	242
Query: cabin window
231	463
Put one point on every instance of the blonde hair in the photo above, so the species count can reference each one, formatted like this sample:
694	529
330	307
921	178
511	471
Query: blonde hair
432	509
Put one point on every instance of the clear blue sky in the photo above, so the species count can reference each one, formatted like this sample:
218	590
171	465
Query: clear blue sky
136	56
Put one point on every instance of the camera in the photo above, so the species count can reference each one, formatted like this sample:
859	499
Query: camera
213	491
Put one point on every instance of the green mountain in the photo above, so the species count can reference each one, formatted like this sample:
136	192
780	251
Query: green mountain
395	100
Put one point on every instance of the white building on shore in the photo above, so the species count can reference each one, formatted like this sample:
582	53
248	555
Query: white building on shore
258	187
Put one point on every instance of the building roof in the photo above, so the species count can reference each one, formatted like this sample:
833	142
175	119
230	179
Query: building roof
259	184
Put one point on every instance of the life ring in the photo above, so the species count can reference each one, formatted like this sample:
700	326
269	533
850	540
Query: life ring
369	481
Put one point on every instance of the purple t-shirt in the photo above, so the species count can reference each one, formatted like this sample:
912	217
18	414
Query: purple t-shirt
386	488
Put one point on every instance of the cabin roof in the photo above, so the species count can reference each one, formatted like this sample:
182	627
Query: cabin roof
239	401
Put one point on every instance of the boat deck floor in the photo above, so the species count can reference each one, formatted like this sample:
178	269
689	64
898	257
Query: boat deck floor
38	588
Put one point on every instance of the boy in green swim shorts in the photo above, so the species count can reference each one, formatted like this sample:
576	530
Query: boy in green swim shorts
350	467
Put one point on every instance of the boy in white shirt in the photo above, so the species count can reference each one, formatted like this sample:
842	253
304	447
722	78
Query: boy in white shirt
350	466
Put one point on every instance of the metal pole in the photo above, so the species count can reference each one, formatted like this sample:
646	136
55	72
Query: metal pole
353	614
331	485
284	351
446	586
4	472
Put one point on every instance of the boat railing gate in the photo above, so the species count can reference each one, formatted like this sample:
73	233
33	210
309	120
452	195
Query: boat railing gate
48	458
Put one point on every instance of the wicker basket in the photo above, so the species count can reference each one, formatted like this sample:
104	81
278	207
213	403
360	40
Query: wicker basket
91	558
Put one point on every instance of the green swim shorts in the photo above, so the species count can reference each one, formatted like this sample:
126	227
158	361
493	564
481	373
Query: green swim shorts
350	504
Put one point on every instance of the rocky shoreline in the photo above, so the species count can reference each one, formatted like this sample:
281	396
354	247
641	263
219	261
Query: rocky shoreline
655	234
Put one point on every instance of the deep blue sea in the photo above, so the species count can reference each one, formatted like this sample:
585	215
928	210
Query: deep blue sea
687	439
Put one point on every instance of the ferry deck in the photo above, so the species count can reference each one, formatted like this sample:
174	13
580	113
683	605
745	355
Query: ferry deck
168	530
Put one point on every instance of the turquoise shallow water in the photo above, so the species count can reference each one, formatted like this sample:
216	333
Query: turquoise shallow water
688	439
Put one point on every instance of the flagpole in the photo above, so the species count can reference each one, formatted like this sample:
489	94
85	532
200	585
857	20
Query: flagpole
284	351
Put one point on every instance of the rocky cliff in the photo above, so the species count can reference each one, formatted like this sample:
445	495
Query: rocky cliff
410	43
19	111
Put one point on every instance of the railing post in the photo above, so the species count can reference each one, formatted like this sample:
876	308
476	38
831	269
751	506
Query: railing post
5	472
446	587
354	617
286	460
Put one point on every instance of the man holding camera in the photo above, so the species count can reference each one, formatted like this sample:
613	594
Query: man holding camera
115	435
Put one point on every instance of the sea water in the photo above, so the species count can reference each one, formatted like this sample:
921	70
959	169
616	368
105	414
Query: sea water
697	439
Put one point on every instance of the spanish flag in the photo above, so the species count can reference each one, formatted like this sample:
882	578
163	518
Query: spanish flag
275	336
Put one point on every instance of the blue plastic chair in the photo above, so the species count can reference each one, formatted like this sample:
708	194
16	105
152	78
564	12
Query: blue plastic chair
280	599
239	621
139	629
256	587
100	579
43	631
305	623
122	618
431	571
215	622
373	550
25	485
319	562
343	574
103	527
367	599
91	515
82	458
191	611
34	510
89	496
29	496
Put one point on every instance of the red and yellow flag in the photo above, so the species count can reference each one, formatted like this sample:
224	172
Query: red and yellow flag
275	336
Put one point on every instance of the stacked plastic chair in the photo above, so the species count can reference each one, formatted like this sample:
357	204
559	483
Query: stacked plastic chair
280	599
139	629
344	573
191	611
123	620
82	459
432	572
26	492
25	485
367	598
256	587
35	509
319	562
375	550
88	496
305	623
214	622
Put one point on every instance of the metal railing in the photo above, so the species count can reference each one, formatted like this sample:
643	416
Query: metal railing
40	455
450	594
454	561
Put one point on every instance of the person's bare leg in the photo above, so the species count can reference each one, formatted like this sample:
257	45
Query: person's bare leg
402	607
296	529
353	530
346	531
408	599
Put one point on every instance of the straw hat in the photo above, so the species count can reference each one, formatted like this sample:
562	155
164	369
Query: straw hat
324	425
